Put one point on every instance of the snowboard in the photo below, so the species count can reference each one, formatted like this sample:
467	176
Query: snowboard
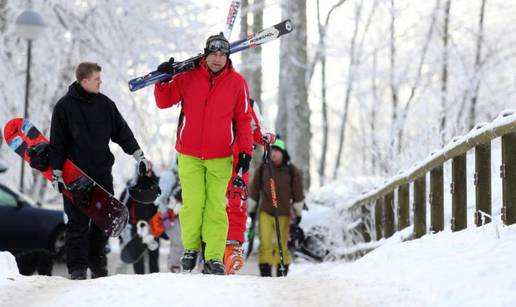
109	214
136	247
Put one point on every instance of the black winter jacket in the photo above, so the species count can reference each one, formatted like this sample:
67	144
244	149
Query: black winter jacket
82	125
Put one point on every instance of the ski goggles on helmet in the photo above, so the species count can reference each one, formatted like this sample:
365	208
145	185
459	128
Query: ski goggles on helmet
217	44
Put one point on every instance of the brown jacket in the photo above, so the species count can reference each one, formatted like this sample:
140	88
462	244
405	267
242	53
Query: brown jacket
289	188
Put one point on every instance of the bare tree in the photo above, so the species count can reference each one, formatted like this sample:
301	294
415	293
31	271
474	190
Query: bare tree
349	87
393	83
320	55
444	72
400	115
293	120
477	76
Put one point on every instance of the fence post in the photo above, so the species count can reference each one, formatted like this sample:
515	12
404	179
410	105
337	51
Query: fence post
403	206
378	217
388	214
459	191
436	199
420	207
482	183
365	214
508	174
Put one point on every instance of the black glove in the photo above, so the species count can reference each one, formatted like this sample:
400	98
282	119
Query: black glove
244	159
167	67
297	221
252	215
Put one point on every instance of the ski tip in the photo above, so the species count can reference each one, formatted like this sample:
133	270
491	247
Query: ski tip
288	25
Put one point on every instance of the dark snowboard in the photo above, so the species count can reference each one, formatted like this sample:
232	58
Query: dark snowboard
103	208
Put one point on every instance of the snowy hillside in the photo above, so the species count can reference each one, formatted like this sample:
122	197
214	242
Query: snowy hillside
468	268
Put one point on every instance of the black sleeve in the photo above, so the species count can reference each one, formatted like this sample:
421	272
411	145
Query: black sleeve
121	133
58	137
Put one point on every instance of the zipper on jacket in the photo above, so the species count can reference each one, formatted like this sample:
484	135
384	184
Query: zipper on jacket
231	131
211	82
182	129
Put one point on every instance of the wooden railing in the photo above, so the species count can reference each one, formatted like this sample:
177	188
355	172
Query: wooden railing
378	207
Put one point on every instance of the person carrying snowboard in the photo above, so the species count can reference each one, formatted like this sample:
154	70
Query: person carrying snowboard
289	189
215	114
236	208
83	122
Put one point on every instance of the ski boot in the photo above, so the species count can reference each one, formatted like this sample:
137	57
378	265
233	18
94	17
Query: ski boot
214	267
78	274
233	257
189	260
265	270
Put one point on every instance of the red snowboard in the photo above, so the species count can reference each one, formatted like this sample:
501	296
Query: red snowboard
109	214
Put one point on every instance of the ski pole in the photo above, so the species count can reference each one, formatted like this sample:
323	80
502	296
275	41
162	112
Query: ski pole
272	183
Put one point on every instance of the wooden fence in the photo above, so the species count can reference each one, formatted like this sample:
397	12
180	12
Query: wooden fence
379	205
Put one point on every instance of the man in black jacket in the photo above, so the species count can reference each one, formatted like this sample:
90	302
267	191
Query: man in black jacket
83	123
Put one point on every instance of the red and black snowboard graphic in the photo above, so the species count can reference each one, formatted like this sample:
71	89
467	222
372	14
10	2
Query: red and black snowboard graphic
109	214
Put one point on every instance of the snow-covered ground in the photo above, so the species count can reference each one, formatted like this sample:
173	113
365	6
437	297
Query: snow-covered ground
468	268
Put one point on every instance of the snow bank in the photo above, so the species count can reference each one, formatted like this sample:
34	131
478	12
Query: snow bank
473	267
8	267
338	193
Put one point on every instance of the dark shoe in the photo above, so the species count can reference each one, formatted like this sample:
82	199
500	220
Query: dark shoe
214	267
79	274
98	272
189	260
265	269
278	271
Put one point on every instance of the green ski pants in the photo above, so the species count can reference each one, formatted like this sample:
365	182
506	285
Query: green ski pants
203	213
268	251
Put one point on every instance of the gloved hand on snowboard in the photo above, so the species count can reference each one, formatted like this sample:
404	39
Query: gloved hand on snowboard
57	180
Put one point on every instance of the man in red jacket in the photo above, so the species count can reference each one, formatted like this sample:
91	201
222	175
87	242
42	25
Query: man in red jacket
215	115
236	209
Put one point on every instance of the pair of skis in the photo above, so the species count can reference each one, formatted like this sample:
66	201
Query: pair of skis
251	41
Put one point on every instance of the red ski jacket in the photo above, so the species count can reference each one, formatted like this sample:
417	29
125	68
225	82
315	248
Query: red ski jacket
215	111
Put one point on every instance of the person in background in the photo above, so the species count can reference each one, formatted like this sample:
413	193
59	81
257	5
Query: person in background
236	208
289	189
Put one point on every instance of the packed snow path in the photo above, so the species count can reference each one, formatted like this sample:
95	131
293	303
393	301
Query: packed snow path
191	290
473	267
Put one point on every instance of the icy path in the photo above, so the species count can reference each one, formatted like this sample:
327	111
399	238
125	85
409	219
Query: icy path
473	267
195	290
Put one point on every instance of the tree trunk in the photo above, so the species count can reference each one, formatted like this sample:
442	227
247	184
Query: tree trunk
393	83
444	73
372	120
293	95
324	149
349	89
478	66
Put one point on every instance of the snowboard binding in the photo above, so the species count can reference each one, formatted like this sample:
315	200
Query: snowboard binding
81	190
